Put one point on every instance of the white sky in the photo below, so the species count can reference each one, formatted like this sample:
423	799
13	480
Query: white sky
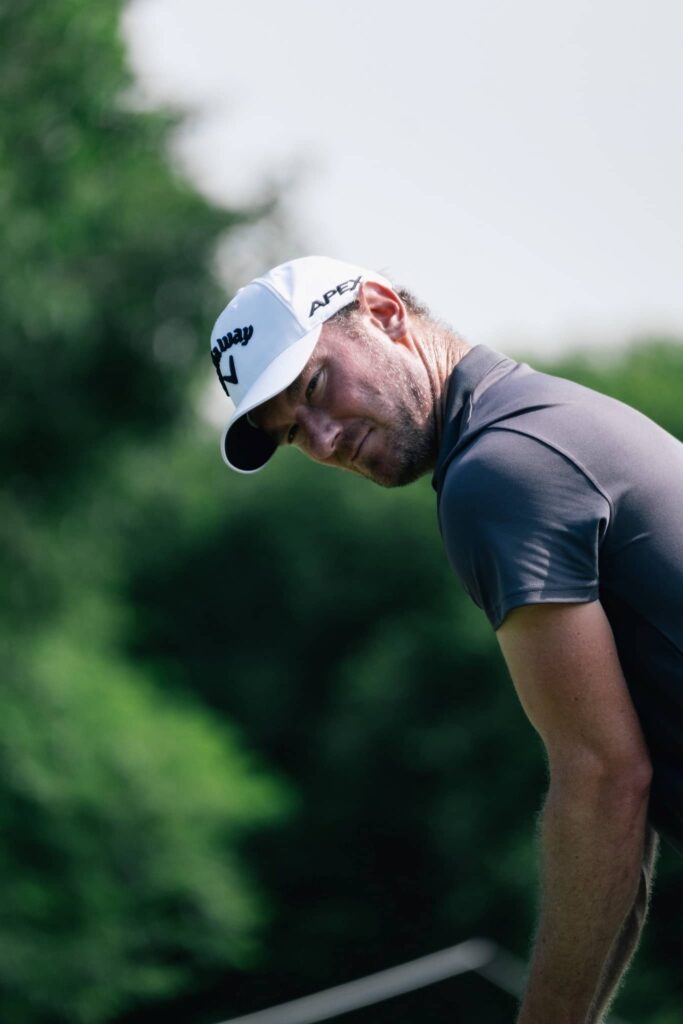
518	165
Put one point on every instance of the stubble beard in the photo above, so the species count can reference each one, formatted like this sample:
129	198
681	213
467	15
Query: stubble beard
412	440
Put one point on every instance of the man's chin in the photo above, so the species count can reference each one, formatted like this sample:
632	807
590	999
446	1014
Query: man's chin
402	480
398	459
399	475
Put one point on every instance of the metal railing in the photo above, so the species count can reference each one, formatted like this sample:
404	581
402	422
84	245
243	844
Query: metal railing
480	955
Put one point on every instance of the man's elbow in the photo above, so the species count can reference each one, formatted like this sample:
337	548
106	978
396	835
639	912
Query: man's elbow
619	782
640	776
634	790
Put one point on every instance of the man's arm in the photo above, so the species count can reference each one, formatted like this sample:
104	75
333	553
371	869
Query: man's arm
566	670
627	942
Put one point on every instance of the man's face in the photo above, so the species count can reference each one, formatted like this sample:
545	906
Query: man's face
362	403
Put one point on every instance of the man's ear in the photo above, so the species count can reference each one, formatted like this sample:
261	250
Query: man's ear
385	309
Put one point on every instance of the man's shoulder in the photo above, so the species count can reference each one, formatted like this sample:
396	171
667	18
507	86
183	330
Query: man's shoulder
585	427
509	476
504	393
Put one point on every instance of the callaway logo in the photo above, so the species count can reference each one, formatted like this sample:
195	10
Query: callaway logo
345	286
240	336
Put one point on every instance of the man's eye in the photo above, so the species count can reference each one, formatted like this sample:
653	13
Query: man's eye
291	434
311	385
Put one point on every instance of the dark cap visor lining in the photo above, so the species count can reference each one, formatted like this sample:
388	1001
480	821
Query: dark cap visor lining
246	447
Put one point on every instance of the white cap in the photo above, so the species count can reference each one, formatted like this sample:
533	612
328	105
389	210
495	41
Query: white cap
263	339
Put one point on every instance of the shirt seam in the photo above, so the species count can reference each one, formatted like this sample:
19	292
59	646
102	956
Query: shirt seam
548	590
284	303
500	608
571	458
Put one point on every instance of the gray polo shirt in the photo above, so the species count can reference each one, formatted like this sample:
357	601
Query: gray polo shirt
549	491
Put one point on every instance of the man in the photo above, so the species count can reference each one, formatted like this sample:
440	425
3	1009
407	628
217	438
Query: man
560	510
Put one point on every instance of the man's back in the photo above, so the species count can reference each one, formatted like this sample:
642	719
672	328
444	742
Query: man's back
552	492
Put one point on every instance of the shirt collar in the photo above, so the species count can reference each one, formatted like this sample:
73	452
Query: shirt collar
471	369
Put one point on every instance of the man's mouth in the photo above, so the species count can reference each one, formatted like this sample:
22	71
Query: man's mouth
360	446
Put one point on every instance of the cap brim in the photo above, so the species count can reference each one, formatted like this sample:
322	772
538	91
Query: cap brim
246	448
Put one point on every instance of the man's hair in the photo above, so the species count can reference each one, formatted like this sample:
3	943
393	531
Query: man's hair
413	305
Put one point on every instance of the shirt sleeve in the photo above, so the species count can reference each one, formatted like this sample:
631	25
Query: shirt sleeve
522	524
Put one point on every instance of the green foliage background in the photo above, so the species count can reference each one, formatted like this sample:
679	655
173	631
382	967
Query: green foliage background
254	739
122	805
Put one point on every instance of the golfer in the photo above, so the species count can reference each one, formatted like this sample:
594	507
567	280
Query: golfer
561	512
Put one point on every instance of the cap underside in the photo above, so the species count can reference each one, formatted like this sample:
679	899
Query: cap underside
244	447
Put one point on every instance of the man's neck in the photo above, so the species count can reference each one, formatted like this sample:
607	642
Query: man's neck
442	350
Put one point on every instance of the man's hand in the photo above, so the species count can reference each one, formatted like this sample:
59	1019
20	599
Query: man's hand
566	670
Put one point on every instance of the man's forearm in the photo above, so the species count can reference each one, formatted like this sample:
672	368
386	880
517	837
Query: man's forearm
592	849
629	937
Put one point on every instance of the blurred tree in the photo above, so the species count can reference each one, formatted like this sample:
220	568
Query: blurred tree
103	288
123	807
103	282
120	880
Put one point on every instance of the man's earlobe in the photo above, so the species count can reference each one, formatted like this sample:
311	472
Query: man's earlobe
384	307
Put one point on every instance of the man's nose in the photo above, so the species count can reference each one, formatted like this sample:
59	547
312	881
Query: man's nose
320	433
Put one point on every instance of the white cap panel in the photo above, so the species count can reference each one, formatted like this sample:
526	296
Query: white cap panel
279	313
